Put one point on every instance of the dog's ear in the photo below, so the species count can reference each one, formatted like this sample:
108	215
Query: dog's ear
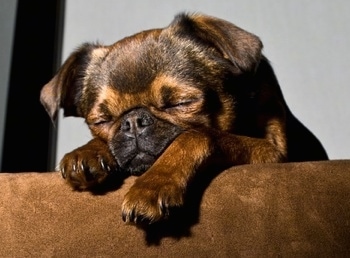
242	48
65	88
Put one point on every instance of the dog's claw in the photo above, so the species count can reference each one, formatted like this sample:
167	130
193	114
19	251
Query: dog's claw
164	209
130	217
105	166
82	167
87	166
102	164
126	217
63	173
145	205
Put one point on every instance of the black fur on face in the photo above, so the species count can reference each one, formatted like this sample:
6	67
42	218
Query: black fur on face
140	140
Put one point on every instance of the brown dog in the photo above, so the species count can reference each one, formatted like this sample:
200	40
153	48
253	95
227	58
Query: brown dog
166	103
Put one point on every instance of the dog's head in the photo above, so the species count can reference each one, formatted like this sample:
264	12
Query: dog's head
140	93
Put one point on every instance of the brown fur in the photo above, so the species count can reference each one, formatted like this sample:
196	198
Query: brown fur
166	103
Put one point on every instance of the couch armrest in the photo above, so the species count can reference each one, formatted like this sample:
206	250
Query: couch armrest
292	209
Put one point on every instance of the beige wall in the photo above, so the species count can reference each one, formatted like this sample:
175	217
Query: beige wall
306	41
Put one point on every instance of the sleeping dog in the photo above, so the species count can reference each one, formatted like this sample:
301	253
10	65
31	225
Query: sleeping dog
164	104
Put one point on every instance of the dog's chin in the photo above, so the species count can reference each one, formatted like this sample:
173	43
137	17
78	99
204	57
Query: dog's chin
139	164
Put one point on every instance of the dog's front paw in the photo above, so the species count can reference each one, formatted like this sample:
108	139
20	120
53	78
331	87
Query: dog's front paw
150	199
87	166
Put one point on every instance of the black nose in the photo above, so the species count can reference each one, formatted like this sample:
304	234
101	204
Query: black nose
136	121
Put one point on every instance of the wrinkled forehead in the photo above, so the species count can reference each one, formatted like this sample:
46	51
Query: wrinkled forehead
131	64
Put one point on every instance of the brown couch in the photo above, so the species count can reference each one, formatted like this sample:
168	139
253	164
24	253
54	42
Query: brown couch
292	209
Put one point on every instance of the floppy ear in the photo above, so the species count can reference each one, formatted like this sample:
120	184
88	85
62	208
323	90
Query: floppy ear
64	89
242	48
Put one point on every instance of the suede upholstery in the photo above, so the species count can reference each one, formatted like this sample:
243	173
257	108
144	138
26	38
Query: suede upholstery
288	210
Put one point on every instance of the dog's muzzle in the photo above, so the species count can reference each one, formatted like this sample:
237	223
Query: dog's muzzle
141	139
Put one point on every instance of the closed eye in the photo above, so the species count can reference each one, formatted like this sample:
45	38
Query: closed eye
184	98
177	104
181	105
99	121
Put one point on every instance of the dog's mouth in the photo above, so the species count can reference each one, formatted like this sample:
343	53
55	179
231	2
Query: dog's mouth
139	164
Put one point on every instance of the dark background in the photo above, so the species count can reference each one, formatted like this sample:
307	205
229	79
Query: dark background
30	136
